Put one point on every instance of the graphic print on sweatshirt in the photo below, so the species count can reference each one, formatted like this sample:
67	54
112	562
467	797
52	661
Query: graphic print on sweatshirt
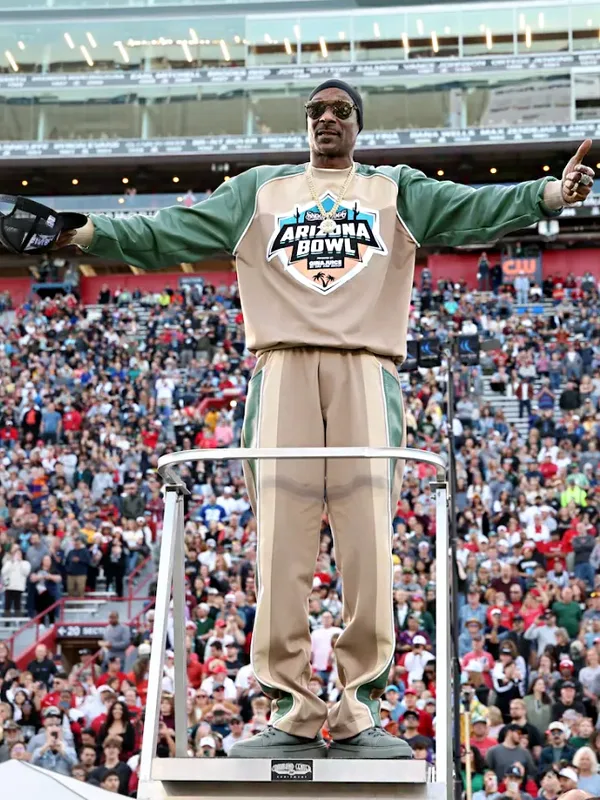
325	261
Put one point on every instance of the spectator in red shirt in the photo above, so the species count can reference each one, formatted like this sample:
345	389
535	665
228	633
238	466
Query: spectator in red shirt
425	727
114	671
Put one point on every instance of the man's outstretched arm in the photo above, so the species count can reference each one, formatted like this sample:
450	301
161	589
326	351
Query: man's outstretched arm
452	214
175	234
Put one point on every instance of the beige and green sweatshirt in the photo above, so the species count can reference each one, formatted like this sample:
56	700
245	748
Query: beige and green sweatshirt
346	289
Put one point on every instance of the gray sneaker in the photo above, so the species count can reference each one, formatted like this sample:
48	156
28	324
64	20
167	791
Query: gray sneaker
371	743
273	743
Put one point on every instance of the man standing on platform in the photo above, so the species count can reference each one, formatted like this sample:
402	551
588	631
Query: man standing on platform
325	255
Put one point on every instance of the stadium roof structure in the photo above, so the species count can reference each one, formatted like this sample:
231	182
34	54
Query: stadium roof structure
30	781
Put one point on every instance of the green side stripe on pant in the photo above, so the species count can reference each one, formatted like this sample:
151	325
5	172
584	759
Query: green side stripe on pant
394	412
251	416
369	693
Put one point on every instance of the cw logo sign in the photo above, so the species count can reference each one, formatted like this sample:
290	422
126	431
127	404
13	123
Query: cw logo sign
519	266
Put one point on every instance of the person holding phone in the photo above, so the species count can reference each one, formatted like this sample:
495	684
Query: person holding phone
54	755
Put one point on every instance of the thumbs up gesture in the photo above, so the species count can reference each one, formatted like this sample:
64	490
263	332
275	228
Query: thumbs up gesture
577	179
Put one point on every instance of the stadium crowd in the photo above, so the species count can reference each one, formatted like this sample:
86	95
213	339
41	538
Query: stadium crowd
89	399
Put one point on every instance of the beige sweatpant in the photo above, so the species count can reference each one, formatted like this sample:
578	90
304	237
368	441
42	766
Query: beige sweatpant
305	397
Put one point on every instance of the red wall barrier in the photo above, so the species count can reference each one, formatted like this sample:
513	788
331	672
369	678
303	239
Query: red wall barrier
18	288
554	262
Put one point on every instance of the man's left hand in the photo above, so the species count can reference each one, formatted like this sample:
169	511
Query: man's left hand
577	179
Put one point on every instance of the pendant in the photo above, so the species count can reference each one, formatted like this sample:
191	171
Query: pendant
327	226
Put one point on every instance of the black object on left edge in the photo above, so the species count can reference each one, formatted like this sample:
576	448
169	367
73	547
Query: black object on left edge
31	227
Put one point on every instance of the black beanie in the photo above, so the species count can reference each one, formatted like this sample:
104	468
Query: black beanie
333	83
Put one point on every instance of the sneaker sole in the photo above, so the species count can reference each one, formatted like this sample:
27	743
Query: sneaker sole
308	751
349	751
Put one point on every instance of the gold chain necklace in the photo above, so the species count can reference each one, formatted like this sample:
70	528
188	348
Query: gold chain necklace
328	223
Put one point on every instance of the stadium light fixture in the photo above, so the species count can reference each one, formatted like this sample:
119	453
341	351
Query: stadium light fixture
376	30
440	173
124	180
121	200
527	36
11	60
21	45
488	39
187	52
24	183
75	182
420	28
69	41
124	54
193	36
86	54
546	168
175	179
493	170
323	46
225	50
405	43
598	165
91	40
288	46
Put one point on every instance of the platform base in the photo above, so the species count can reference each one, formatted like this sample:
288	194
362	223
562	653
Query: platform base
240	779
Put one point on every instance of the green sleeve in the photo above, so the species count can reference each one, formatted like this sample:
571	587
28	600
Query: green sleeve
447	213
178	233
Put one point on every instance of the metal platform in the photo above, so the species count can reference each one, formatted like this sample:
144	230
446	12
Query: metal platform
215	779
221	778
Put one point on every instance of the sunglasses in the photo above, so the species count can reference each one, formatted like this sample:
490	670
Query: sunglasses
341	108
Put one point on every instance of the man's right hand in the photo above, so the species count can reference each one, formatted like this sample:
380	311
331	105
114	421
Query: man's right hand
79	236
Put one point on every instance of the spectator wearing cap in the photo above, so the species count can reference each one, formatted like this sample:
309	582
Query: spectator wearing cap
54	753
496	631
425	726
392	697
501	757
52	718
410	724
568	779
507	679
218	678
11	734
474	686
480	737
236	733
517	637
514	783
567	701
518	716
566	668
478	655
543	632
417	659
418	609
557	750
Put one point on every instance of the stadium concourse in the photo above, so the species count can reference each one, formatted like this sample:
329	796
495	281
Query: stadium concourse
92	396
